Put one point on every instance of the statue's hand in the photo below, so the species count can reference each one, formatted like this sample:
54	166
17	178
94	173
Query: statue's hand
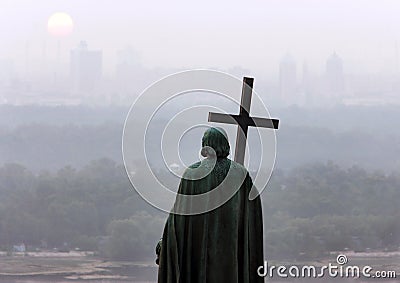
158	251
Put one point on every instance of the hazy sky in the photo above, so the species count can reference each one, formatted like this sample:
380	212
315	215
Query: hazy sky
253	34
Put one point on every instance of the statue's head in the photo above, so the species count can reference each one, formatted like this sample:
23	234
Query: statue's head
215	143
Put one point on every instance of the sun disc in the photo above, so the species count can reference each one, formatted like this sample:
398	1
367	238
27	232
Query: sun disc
60	24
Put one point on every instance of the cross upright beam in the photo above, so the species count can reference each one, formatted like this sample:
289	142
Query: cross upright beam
241	136
243	120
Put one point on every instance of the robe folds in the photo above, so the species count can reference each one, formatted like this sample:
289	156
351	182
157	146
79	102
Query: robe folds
222	245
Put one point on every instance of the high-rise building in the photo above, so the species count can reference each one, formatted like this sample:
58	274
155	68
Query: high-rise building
127	57
6	71
287	78
127	67
85	67
334	74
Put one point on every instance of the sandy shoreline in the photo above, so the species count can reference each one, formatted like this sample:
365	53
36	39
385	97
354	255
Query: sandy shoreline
86	267
73	266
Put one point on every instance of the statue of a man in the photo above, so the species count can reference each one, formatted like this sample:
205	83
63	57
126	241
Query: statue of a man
222	245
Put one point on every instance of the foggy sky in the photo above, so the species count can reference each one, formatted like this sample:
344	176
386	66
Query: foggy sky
223	34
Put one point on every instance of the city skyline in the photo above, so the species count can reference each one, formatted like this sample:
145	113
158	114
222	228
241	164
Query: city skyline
253	36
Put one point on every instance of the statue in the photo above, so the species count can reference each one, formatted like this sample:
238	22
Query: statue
224	244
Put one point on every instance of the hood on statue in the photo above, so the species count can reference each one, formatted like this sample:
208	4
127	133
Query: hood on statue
215	143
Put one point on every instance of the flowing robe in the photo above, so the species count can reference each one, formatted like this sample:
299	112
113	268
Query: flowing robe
222	245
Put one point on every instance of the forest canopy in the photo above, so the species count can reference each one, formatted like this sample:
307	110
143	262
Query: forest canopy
310	210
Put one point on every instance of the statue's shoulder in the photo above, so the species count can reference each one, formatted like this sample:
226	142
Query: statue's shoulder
193	170
195	165
238	167
204	167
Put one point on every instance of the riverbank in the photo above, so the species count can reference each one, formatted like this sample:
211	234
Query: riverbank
80	267
72	266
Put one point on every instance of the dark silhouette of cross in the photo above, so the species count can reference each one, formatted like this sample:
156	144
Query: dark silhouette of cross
243	120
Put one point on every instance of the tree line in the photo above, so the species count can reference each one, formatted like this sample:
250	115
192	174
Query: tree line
308	211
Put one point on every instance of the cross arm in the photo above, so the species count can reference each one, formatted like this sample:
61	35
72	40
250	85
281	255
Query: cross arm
243	120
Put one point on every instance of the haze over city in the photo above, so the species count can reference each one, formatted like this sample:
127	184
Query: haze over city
254	35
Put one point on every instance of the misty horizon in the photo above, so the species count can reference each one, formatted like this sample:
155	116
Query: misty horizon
255	36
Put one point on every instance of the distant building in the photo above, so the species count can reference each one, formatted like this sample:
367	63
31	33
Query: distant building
21	248
175	167
287	78
129	73
306	86
6	71
334	74
126	69
85	68
127	61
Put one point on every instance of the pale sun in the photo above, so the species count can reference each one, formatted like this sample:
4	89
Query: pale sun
60	24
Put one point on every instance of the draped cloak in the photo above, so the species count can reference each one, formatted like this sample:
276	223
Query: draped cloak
222	245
